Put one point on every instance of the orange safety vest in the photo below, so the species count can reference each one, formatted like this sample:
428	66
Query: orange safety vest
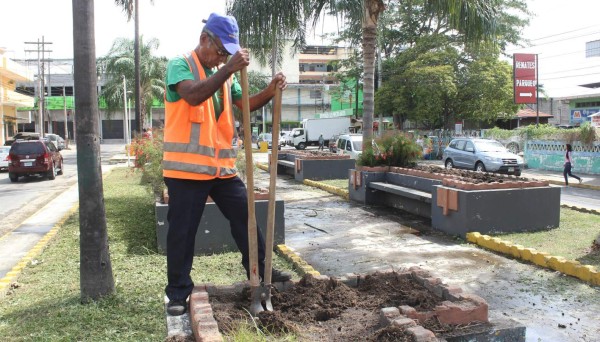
196	145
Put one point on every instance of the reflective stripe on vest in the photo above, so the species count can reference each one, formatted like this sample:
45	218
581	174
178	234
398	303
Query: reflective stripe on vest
199	157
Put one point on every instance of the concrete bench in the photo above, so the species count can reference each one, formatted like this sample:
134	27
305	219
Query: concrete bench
401	191
286	163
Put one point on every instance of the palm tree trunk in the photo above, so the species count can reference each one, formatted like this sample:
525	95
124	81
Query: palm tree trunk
372	10
138	116
96	277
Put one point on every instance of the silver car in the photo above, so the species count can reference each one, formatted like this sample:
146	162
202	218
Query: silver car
482	155
57	140
4	157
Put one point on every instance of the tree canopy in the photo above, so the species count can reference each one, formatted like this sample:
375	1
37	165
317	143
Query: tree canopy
119	62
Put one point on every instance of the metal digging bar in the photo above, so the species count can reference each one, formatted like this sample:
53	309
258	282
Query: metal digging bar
258	292
271	208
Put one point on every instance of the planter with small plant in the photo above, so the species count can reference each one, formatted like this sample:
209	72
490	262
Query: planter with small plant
457	201
213	234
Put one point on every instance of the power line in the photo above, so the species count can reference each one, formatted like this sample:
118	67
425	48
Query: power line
560	34
571	76
551	42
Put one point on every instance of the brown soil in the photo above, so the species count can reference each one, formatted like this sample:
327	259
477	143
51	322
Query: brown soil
472	176
328	310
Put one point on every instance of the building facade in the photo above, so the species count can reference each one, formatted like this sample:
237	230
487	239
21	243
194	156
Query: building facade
10	74
312	90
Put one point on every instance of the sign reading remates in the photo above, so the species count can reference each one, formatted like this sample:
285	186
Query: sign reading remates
525	77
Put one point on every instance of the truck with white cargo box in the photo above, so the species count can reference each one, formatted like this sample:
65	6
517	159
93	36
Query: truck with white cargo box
308	134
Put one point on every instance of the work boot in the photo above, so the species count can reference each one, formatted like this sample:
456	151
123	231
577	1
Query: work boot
176	307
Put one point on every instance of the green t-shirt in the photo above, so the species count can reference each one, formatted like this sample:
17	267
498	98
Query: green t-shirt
178	70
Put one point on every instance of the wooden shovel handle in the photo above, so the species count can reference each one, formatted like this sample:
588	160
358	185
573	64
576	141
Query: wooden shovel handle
272	186
252	236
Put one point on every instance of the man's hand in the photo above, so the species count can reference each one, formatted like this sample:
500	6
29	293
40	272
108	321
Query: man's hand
278	81
238	61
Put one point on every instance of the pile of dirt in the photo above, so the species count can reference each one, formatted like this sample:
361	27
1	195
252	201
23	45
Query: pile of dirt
328	310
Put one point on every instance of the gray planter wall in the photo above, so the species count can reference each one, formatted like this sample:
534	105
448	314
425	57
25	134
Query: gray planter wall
484	211
315	169
499	210
214	234
319	169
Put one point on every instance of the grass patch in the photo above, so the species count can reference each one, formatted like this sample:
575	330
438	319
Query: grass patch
572	239
338	183
45	303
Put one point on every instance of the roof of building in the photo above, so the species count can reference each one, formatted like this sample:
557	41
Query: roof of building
530	113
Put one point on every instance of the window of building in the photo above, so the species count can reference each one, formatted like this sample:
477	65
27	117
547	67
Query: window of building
587	104
315	94
592	49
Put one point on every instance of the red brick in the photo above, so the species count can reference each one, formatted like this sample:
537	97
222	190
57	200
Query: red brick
421	334
471	309
404	323
386	315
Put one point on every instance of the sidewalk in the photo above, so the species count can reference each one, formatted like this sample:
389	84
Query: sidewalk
556	177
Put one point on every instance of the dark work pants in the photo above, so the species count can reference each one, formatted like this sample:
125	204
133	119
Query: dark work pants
187	199
567	171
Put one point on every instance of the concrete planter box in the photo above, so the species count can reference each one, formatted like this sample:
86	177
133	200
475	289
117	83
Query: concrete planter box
495	210
214	234
457	207
314	167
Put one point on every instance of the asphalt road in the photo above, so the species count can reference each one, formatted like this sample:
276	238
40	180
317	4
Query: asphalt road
31	207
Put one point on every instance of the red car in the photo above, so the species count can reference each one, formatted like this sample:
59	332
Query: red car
29	157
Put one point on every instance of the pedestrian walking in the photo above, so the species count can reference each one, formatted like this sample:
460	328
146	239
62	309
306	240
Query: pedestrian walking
199	159
321	142
568	165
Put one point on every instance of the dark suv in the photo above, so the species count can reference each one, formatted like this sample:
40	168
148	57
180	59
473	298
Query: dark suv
29	157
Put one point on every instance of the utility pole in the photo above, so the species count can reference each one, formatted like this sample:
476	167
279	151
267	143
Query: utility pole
41	48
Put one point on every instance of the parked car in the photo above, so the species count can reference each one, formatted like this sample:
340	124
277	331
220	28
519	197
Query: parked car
349	144
58	141
4	157
30	157
482	155
23	136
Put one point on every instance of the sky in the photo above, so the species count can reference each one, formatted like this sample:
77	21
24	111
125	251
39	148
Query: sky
558	30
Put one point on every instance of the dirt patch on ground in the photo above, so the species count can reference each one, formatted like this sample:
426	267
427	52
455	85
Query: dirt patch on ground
472	176
329	310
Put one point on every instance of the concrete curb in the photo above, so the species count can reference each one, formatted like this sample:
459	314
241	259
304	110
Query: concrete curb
262	166
574	185
573	268
581	209
300	265
15	272
329	188
344	193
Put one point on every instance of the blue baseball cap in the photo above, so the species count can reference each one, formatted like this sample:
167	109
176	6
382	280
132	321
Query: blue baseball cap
226	28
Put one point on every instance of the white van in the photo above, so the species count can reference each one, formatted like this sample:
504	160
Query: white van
349	144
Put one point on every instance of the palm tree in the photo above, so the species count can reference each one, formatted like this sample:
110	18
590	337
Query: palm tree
119	62
131	7
96	277
474	18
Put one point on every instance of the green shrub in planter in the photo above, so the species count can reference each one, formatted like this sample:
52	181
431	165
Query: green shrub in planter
148	154
393	149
